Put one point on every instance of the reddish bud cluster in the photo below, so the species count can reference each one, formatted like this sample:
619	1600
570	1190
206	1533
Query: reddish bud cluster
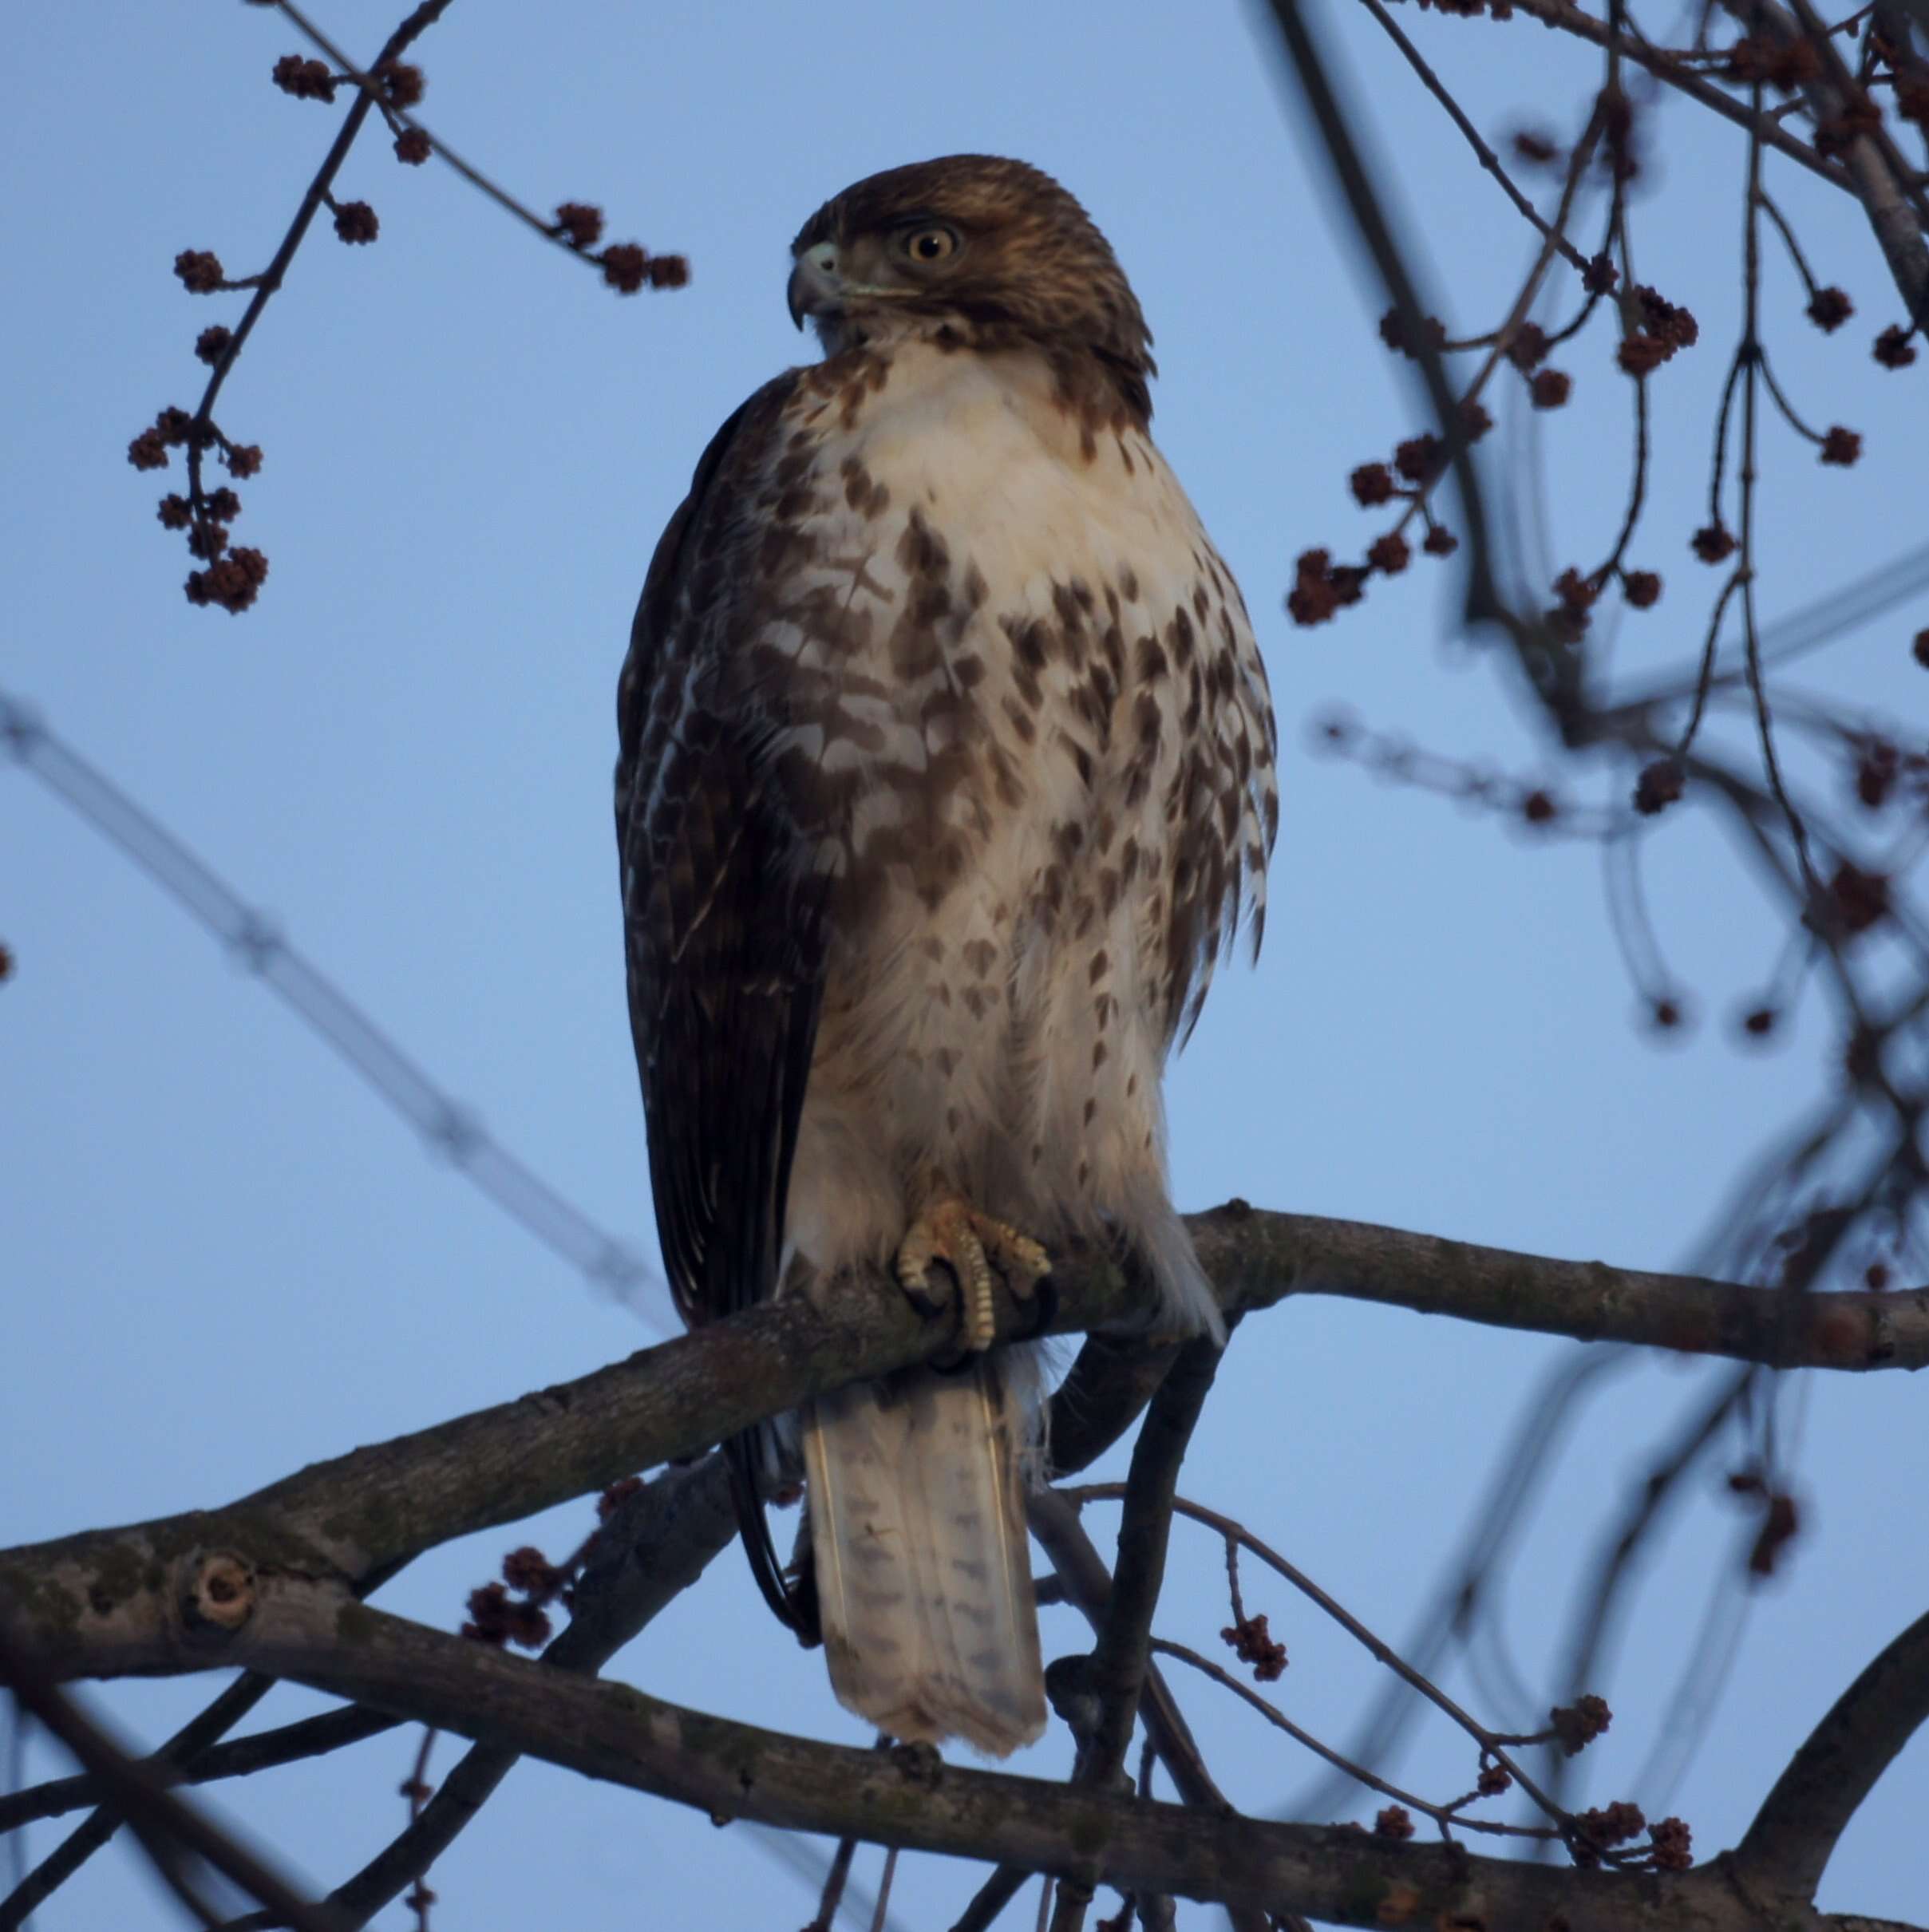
1252	1643
1493	1779
1576	594
1918	649
356	222
1893	348
6	963
1527	348
1550	389
1371	485
1577	1725
1440	541
614	1498
626	266
1658	786
1641	588
1618	157
1841	447
413	146
1613	1824
199	269
243	460
1389	554
1393	332
1778	1526
1420	458
1712	543
1836	135
402	84
580	224
149	449
1858	899
1663	328
1599	277
528	1571
1784	64
1828	308
305	80
211	344
1876	770
1537	149
1673	1846
496	1618
1540	808
1394	1821
1665	1014
1758	1022
233	582
1321	588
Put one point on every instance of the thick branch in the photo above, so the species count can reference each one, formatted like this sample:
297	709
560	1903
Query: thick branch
317	1634
1789	1843
110	1601
656	1546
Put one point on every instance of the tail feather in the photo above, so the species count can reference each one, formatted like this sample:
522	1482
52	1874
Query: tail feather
923	1571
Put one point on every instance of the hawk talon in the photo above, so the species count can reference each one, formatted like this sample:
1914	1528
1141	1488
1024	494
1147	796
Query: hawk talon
1044	1300
950	1230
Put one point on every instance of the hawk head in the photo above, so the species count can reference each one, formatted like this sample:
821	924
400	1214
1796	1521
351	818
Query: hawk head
972	251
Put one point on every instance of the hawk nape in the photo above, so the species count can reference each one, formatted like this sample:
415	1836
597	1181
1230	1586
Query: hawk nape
946	767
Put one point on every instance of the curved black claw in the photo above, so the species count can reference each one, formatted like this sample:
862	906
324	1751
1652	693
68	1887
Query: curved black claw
1043	1302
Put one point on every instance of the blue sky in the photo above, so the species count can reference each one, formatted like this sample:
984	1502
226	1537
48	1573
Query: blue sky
227	1259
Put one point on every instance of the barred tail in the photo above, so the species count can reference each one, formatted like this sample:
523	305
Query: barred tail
923	1569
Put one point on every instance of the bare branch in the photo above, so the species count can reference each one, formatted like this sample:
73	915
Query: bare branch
108	1601
1788	1846
317	1634
167	1827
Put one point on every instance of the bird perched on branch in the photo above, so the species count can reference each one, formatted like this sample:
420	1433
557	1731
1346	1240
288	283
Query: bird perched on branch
947	769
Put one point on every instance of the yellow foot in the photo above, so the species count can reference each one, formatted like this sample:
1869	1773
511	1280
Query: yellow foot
970	1243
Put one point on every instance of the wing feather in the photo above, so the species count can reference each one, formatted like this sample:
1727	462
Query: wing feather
722	917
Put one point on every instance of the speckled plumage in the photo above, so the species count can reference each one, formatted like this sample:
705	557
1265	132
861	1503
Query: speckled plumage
947	766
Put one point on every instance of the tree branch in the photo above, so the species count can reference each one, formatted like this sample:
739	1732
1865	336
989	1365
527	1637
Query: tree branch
167	1827
316	1634
1117	1663
1789	1843
656	1545
1665	66
106	1602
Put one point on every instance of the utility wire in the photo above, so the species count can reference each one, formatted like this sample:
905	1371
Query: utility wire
450	1129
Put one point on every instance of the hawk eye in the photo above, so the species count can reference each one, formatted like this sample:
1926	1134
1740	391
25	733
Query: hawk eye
928	246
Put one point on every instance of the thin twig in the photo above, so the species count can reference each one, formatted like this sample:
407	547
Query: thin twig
1487	157
314	198
1444	1815
1384	1653
166	1825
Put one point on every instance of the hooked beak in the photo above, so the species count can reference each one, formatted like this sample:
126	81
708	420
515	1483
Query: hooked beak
816	287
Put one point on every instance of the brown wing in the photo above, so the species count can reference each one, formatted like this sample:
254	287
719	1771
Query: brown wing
722	929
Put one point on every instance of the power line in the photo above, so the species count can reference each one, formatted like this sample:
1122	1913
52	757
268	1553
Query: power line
450	1129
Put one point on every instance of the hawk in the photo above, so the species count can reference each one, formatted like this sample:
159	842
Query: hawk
946	770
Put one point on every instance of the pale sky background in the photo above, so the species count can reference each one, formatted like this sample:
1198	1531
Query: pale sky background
225	1259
